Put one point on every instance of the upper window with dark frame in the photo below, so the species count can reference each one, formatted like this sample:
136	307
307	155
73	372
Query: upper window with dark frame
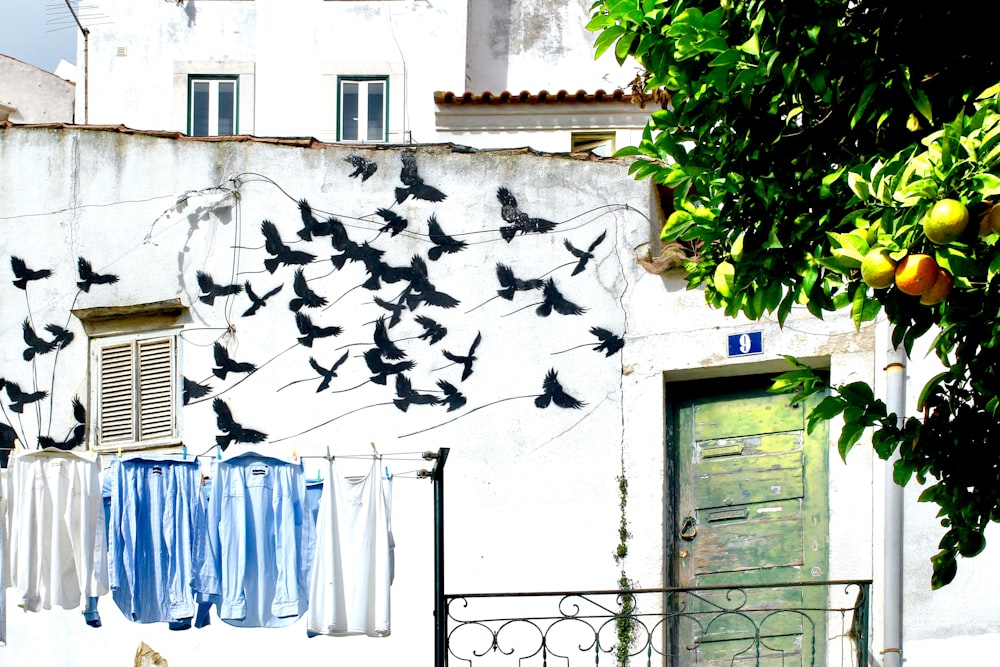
362	103
213	105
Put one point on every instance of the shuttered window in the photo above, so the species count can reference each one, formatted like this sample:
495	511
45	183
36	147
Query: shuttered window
136	392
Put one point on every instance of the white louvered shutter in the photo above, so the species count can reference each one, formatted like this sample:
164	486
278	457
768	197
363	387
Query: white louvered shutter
138	391
117	398
156	389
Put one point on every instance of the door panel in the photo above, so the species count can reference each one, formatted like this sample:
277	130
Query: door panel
750	507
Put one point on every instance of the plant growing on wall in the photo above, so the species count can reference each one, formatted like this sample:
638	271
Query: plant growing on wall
624	620
839	155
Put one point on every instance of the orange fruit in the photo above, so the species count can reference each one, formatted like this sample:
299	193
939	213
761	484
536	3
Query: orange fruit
939	290
878	270
995	218
916	274
946	221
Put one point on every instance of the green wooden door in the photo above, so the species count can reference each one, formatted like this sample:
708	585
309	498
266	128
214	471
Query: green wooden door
750	507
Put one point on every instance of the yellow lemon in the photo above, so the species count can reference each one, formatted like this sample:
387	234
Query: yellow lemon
878	270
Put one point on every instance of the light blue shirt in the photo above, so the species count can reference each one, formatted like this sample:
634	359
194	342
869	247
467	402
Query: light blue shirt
261	536
158	537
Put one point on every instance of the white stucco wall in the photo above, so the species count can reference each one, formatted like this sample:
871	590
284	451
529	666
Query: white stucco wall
532	498
32	95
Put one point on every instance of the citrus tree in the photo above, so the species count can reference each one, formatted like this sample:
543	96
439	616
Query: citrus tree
836	155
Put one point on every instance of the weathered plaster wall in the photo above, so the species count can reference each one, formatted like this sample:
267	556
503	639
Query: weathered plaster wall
36	96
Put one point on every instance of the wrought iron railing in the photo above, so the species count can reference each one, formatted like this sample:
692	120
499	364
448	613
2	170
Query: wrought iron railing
814	624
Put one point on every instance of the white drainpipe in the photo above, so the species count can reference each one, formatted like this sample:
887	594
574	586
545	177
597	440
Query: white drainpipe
892	574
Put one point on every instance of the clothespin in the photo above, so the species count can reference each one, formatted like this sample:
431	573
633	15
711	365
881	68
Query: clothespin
295	454
119	451
374	450
185	453
319	475
17	443
218	452
328	453
387	475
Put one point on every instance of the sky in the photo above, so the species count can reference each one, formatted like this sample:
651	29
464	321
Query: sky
38	32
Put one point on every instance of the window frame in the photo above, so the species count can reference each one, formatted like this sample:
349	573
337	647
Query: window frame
213	102
363	105
138	409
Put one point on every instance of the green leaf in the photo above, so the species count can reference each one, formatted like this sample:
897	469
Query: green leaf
606	39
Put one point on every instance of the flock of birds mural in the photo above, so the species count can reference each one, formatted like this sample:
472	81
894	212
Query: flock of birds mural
385	360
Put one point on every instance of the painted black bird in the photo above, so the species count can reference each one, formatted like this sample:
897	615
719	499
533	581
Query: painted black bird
310	225
395	309
23	275
304	296
466	360
326	373
362	167
75	438
553	392
554	300
407	396
442	242
210	289
89	278
388	349
36	345
453	398
20	398
282	254
379	272
338	235
224	365
381	369
433	332
519	221
258	302
510	284
311	332
610	343
421	290
583	255
415	186
394	223
231	431
194	390
7	438
60	337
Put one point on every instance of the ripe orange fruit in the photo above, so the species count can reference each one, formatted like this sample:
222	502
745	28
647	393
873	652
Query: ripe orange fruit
946	221
939	290
915	274
878	270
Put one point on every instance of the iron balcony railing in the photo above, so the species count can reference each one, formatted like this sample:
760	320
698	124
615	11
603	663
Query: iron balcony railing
814	624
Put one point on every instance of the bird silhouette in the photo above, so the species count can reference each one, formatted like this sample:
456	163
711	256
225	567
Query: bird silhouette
379	272
396	309
443	244
433	332
420	289
338	235
310	225
394	223
406	396
362	167
194	390
583	255
453	398
89	278
381	369
311	332
466	360
326	373
304	296
7	438
415	186
553	392
388	349
18	398
36	345
554	300
232	431
60	337
224	365
210	289
23	275
258	302
510	284
75	438
282	254
519	221
610	343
